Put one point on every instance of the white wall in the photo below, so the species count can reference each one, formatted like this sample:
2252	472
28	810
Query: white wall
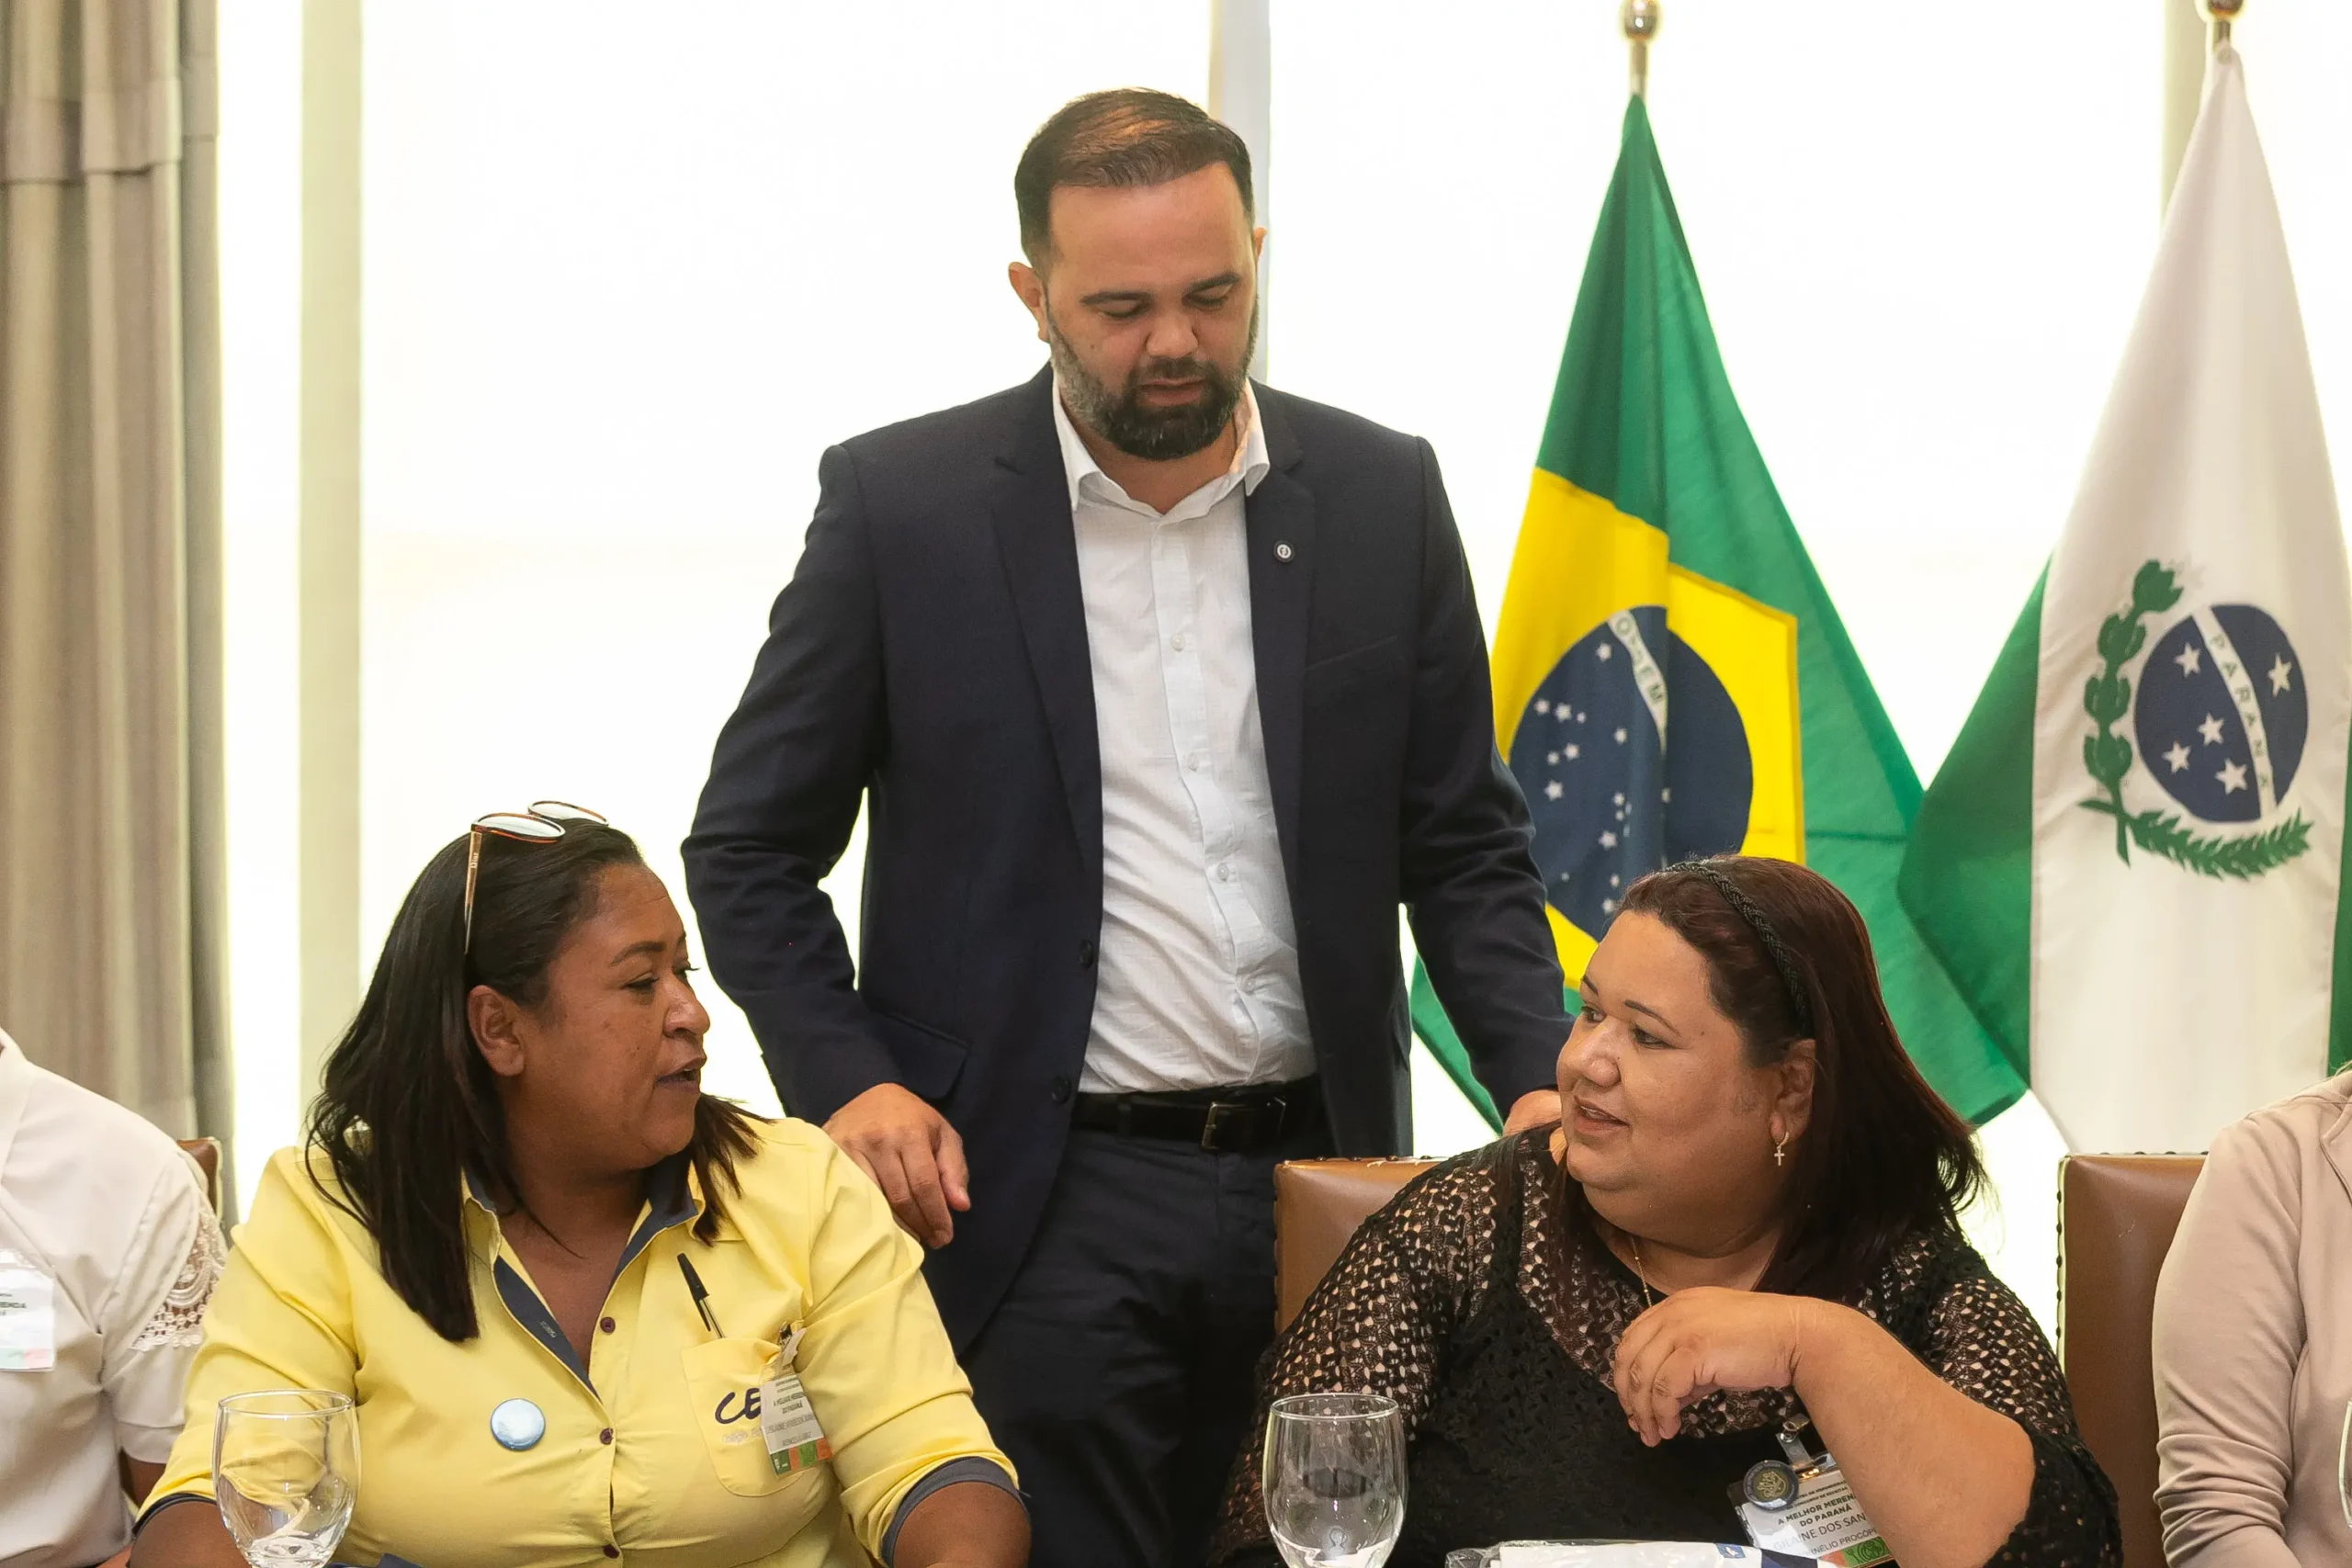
625	284
2296	55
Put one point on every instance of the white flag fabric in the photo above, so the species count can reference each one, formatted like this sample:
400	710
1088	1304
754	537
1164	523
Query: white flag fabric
2168	1000
2191	709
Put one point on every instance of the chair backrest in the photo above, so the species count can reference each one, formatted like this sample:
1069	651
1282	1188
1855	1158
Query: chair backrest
2116	1214
1318	1204
206	1152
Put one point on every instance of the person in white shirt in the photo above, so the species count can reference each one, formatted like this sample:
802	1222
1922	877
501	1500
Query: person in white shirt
108	1251
1163	692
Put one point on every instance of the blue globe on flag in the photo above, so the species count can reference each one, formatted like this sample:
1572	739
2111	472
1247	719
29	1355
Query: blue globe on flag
1611	799
2221	714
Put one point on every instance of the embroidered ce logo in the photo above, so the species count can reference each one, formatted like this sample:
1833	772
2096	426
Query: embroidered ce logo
749	1412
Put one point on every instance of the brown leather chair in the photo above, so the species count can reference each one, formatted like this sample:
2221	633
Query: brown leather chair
1318	1204
2116	1214
206	1152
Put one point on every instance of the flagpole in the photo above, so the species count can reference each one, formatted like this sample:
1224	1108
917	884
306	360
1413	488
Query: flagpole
2220	14
1640	20
2187	48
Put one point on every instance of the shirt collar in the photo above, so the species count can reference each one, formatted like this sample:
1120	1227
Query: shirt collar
673	1195
1250	459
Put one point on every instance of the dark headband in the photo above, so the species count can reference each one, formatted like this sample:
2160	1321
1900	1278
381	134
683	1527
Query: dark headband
1748	910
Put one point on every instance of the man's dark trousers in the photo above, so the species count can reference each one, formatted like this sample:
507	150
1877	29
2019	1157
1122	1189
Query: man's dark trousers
1119	1371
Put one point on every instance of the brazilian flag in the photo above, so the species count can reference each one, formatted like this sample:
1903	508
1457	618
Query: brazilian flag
1670	678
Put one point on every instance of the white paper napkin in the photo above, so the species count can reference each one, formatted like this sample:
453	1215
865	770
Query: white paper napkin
1641	1554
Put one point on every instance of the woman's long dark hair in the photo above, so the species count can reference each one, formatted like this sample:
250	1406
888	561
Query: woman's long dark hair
1881	1157
408	1108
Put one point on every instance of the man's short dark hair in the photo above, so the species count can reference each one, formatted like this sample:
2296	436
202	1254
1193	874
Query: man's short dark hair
1127	136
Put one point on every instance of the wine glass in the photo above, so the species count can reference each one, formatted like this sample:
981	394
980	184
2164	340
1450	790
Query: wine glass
1334	1478
286	1473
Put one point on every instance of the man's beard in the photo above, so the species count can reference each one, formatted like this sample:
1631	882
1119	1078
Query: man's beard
1156	434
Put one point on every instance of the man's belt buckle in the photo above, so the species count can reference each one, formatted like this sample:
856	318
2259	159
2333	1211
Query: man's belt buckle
1238	1116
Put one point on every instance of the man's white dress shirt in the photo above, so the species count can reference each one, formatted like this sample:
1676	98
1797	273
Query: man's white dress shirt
1197	971
108	1251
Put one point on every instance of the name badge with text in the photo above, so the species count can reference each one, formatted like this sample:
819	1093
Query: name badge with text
1811	1512
787	1421
28	1316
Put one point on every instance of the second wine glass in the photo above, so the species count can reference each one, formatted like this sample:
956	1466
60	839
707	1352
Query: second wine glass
1334	1477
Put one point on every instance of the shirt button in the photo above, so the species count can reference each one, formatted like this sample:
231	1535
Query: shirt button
1196	761
607	1326
1086	955
1179	642
1224	870
1061	1091
605	1436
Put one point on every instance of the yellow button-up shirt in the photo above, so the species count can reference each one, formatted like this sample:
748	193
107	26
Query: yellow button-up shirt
653	1451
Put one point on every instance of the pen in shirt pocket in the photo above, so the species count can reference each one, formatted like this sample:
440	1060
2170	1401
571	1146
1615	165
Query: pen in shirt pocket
701	1296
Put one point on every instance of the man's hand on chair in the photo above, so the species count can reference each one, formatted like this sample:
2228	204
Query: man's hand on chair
916	1157
1534	1108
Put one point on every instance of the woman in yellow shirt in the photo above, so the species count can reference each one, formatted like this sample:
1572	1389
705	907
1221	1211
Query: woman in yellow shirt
554	1275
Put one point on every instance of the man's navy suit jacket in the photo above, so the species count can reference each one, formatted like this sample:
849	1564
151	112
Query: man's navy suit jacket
930	654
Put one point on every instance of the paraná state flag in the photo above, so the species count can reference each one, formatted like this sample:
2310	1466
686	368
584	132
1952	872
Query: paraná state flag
2146	805
1671	677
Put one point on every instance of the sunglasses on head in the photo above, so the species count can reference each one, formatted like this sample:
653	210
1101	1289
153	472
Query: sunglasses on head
542	824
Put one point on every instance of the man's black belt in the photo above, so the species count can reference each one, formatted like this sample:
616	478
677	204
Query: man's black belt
1224	1121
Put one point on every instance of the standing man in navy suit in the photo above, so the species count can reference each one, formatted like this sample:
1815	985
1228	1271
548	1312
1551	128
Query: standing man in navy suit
1163	692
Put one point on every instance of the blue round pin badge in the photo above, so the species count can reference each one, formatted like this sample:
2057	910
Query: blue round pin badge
517	1424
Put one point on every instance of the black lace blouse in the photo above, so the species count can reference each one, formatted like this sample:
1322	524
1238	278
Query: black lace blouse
1460	1301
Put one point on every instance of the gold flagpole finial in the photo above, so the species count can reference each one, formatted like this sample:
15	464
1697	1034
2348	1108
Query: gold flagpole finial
1639	18
2220	13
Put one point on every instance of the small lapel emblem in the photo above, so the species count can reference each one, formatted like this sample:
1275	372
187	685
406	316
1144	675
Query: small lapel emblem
1282	549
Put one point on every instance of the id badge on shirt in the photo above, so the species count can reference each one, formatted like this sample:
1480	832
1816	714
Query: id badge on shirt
787	1422
1822	1520
1805	1506
27	1315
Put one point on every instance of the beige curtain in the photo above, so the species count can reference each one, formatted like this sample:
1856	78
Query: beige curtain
111	875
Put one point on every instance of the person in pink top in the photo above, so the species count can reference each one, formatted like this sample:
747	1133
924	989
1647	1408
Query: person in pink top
2253	1347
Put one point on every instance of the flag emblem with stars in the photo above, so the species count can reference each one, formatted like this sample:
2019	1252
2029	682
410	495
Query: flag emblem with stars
1610	797
2221	716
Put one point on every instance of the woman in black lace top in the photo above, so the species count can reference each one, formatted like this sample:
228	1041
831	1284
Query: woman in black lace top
1746	1225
